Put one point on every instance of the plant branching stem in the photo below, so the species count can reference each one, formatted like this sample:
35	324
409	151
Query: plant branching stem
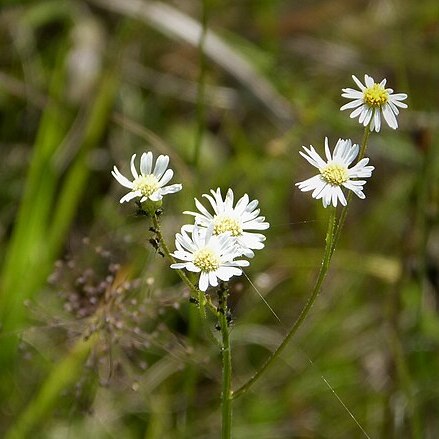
305	311
221	312
342	218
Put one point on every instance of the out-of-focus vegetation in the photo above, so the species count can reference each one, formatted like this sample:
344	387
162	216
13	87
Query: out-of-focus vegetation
83	86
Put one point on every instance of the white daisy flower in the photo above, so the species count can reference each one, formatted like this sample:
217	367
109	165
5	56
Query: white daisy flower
372	101
210	255
238	220
335	173
150	184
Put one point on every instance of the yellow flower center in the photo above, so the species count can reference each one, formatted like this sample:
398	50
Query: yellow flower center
223	224
206	260
146	184
375	96
335	174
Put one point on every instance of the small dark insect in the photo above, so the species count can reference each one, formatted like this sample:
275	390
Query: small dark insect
155	242
194	300
140	211
229	318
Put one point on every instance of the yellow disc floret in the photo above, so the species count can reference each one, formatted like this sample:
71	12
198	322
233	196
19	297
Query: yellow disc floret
335	174
146	184
206	260
375	96
226	224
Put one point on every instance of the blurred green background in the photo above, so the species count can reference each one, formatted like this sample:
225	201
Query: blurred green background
83	86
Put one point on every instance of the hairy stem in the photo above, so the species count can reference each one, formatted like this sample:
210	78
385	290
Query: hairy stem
226	353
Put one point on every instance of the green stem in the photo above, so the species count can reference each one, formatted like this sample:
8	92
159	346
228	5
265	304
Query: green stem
226	351
303	314
344	211
199	295
363	147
